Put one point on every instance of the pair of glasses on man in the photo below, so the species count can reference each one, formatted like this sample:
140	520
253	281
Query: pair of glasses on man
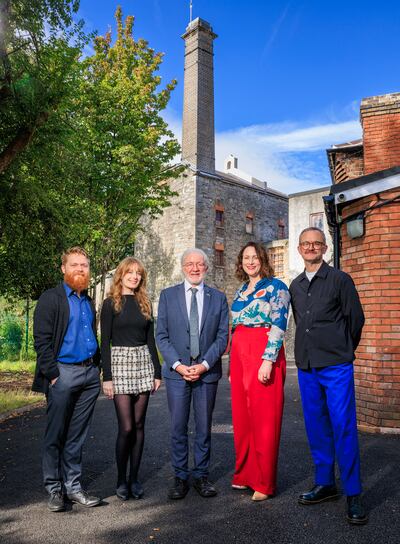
307	245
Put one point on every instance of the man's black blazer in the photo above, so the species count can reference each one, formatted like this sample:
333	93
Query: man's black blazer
50	323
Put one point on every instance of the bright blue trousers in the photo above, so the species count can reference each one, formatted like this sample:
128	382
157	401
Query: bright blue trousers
329	409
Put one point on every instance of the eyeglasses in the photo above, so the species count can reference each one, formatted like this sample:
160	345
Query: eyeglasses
307	245
192	265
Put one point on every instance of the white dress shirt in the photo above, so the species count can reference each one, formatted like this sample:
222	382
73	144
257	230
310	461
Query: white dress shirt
200	303
199	298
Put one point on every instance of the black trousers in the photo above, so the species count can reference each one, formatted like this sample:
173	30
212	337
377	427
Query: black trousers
70	404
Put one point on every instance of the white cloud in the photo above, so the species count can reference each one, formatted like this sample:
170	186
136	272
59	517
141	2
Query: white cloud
286	139
291	157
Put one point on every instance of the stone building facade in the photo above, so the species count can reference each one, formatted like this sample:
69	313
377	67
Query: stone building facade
306	209
365	209
215	211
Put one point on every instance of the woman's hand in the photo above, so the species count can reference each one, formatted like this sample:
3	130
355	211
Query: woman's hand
264	372
108	389
156	386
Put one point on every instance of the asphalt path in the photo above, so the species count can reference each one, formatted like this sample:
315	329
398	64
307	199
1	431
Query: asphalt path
229	517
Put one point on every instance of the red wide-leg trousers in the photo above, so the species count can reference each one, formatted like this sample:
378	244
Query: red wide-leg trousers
256	410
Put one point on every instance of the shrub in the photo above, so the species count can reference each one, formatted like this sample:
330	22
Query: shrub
10	337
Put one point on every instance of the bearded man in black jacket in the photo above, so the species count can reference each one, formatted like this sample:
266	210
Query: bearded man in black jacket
67	371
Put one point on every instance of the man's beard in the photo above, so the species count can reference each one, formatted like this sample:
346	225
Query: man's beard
77	281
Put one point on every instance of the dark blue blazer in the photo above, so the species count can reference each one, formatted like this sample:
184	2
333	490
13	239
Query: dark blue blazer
173	337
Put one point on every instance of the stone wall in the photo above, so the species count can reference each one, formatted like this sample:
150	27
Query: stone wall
237	201
301	207
162	241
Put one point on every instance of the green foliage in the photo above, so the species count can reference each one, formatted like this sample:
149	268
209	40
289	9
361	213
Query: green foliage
84	151
39	50
39	44
126	145
10	337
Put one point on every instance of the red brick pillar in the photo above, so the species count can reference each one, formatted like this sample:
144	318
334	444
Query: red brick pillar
380	119
373	261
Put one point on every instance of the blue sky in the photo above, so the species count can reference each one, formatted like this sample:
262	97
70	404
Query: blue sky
289	75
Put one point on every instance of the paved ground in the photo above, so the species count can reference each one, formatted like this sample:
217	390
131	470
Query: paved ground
229	517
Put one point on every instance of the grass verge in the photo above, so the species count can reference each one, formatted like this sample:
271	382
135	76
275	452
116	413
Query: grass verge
17	366
15	385
11	400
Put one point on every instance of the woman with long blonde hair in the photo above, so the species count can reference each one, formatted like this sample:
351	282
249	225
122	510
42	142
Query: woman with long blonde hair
131	367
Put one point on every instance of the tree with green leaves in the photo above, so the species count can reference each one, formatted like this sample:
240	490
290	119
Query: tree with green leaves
126	145
39	43
97	162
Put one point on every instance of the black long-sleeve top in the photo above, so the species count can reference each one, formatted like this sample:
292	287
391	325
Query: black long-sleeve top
128	328
329	318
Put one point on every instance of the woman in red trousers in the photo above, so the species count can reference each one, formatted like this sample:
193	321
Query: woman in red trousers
257	371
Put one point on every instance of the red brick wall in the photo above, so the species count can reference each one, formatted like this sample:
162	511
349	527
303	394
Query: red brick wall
380	118
373	261
348	165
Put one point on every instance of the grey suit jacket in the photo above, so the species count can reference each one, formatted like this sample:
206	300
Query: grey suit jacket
173	336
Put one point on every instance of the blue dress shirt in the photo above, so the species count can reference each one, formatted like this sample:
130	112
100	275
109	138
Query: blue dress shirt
79	341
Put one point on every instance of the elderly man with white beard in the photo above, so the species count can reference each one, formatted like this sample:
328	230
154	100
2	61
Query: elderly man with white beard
67	372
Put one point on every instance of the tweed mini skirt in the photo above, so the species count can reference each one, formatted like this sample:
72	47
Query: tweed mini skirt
132	370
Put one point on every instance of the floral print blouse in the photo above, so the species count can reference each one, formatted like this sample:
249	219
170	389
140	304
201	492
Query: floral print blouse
267	305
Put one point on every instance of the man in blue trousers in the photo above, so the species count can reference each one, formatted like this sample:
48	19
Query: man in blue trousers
192	334
329	320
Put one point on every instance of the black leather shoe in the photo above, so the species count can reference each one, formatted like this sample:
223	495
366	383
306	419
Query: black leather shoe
179	490
136	490
319	493
56	502
355	511
122	492
84	499
204	487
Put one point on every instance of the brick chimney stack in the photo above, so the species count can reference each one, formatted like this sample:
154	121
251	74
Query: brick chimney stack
380	119
198	141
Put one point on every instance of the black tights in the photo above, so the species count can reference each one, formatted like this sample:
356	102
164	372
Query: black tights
131	413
